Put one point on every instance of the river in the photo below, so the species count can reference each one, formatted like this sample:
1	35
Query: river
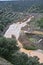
15	29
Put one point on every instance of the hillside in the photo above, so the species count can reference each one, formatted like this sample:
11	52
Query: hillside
23	6
4	62
21	32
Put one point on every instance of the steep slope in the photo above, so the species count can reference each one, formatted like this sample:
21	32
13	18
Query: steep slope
23	6
4	62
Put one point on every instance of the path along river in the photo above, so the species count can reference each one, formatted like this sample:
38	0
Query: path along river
15	29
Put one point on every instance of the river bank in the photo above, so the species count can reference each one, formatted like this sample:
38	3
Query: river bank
15	30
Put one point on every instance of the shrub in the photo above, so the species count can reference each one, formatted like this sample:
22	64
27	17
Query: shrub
31	47
7	47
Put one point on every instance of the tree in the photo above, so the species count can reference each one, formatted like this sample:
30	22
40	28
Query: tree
19	58
33	61
40	23
1	27
7	47
10	51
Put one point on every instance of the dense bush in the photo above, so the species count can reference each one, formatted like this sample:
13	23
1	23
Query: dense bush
40	23
19	58
33	61
10	52
7	47
22	59
1	27
31	47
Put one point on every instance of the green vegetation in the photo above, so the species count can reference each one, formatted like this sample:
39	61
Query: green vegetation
40	23
1	27
10	12
35	8
10	51
3	23
23	59
33	61
6	18
31	47
7	47
33	40
37	22
19	6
